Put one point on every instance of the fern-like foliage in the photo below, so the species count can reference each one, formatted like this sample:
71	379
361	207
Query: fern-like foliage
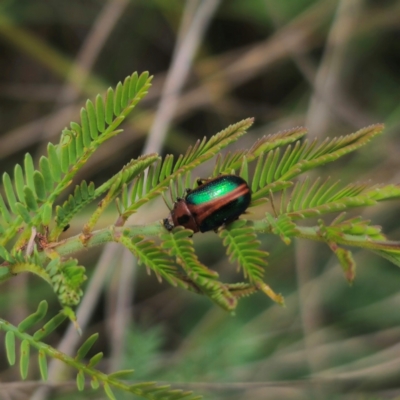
67	278
83	195
179	244
31	223
29	196
233	161
307	201
117	184
283	226
154	258
85	367
243	247
159	176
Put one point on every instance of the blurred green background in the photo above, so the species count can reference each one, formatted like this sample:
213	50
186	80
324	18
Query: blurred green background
332	66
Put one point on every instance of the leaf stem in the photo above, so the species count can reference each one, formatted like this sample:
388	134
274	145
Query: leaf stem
314	233
81	242
101	236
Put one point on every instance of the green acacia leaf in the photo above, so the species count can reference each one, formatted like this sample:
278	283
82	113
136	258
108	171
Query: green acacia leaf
270	165
154	257
65	163
242	247
29	170
87	140
50	326
125	92
282	226
256	182
10	347
100	114
34	318
77	132
72	156
109	392
95	360
91	113
54	161
166	168
86	346
122	374
328	151
4	254
109	111
47	214
130	171
83	195
179	244
117	99
24	358
80	380
233	161
10	195
45	168
383	192
133	84
244	170
141	81
4	210
40	187
323	197
19	182
23	212
241	243
42	360
94	383
30	199
391	255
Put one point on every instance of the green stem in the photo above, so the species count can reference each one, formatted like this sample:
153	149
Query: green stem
313	233
101	236
78	243
350	240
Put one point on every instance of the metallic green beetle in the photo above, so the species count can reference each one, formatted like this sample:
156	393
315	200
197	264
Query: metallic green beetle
214	202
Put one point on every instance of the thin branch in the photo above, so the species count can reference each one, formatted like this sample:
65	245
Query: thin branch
329	76
178	72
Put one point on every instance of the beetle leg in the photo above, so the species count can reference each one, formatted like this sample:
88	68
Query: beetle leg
167	224
202	181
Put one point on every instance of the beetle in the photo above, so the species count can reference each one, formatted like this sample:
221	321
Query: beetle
215	202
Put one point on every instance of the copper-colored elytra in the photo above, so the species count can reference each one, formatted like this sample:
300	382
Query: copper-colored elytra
191	223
